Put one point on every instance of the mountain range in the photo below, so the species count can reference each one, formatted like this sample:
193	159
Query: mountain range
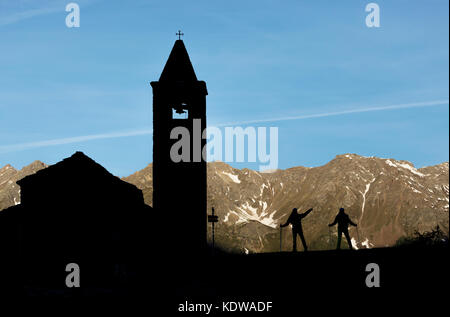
387	198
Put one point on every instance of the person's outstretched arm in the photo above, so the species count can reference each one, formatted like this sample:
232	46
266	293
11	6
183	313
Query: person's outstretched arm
288	221
352	223
307	212
333	223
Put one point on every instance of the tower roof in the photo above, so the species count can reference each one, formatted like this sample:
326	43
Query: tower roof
178	66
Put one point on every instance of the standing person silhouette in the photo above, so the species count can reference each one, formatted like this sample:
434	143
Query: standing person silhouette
343	220
295	219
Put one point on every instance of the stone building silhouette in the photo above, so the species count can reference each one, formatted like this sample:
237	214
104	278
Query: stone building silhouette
179	100
75	211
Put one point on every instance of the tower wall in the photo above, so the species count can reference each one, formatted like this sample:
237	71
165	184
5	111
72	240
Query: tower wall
179	189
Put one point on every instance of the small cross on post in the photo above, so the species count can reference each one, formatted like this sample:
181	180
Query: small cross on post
179	34
213	219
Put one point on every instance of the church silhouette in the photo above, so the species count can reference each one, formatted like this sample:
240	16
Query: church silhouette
75	211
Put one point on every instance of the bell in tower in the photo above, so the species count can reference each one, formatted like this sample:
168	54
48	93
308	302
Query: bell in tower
179	187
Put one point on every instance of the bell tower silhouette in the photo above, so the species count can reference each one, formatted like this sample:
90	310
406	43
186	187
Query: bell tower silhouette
179	187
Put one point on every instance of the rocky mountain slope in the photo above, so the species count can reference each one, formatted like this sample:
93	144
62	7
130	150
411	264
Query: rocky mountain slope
9	190
389	199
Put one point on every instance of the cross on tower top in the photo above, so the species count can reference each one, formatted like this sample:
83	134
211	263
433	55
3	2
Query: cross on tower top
179	34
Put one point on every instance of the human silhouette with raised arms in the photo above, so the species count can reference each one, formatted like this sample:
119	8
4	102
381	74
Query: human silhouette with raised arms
295	219
343	220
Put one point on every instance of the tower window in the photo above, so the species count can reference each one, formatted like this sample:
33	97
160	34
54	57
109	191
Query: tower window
180	112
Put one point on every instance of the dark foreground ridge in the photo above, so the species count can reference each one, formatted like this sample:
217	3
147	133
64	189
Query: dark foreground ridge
286	279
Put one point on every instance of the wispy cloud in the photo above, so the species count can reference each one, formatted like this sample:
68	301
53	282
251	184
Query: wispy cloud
344	112
76	139
16	11
23	15
147	131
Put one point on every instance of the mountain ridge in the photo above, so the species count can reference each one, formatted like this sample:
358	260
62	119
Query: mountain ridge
388	198
382	194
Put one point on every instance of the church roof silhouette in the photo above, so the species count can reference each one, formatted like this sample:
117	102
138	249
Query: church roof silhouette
178	66
79	167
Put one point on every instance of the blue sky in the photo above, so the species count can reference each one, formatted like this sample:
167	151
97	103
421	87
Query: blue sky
67	89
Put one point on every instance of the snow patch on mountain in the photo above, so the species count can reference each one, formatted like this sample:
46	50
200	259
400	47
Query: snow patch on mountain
264	206
262	188
405	166
247	213
354	244
364	197
367	244
233	177
269	221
